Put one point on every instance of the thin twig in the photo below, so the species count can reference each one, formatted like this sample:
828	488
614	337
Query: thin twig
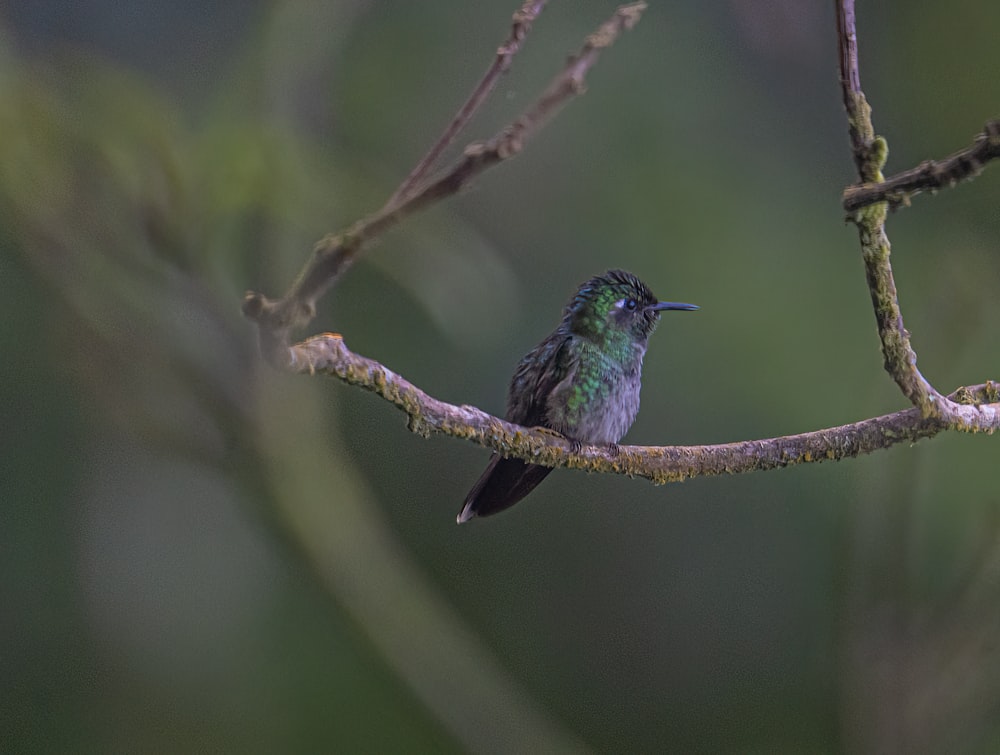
931	175
522	21
335	253
850	82
327	354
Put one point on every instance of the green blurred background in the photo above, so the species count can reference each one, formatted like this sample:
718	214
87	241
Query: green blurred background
199	554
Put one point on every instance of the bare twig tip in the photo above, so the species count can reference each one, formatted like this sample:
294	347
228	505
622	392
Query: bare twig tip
253	305
630	14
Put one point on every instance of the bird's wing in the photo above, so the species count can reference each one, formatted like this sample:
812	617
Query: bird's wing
536	376
507	481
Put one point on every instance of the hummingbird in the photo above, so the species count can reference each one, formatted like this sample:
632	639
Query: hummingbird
582	382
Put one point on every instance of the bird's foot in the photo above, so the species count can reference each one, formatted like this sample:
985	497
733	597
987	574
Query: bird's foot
614	449
574	445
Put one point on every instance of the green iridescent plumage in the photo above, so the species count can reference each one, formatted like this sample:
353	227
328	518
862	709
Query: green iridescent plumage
582	381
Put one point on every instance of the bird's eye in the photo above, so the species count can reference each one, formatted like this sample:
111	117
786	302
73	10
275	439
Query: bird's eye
631	305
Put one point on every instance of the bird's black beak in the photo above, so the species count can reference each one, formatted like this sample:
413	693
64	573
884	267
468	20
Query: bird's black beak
662	305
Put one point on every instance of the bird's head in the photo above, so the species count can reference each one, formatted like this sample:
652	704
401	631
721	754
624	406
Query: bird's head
614	305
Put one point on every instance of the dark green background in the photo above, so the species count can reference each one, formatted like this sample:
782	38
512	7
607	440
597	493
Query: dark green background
198	554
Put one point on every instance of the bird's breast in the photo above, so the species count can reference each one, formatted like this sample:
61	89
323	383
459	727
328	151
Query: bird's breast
598	401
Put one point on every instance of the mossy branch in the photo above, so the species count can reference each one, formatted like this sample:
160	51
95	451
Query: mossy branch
870	152
930	175
327	354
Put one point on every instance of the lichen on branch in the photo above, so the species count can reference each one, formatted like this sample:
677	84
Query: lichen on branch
327	354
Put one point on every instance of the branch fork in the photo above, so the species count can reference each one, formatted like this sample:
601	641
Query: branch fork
870	153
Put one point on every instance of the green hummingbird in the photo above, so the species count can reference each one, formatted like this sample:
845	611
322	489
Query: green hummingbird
582	381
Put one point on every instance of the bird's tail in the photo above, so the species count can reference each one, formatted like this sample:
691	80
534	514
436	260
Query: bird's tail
504	483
